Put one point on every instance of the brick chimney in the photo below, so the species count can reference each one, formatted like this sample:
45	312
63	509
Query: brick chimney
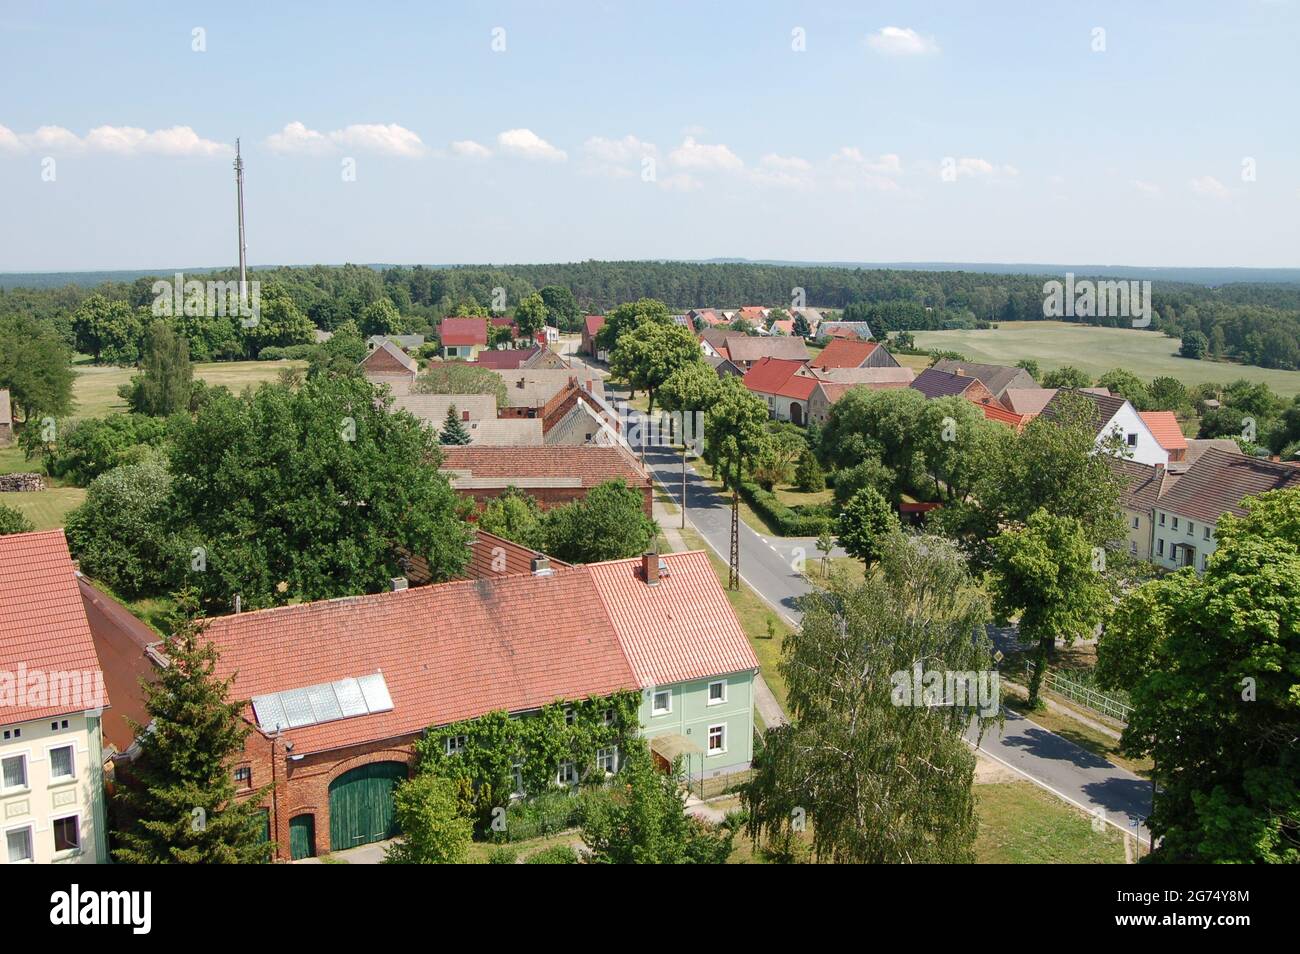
650	567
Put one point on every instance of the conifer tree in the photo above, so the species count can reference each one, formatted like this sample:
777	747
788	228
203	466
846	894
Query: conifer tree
176	804
453	431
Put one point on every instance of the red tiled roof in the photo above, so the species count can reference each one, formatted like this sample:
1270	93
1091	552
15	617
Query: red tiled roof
43	627
1164	427
120	644
516	642
594	323
683	628
995	412
844	353
447	652
770	375
508	359
589	465
458	332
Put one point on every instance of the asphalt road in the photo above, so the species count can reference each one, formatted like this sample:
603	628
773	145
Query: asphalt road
770	566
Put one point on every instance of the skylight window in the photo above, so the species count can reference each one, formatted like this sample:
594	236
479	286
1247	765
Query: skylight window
325	702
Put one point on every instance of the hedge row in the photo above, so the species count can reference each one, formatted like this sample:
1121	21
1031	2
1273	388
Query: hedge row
297	352
786	521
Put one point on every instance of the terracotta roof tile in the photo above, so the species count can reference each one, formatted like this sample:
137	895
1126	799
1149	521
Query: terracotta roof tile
43	628
1165	428
447	652
588	466
844	353
458	332
683	628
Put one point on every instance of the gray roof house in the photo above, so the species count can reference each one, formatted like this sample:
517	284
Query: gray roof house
997	378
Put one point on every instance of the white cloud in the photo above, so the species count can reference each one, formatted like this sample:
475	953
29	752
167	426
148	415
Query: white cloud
970	167
390	139
695	155
1146	188
785	163
386	139
297	138
616	158
901	41
790	172
178	141
1209	187
887	164
852	169
528	145
469	149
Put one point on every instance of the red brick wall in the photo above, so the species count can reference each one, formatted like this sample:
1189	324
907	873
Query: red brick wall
302	787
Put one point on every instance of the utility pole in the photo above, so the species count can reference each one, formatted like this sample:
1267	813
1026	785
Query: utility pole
243	249
683	482
733	581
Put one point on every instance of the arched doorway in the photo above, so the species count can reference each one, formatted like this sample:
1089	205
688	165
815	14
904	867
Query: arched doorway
796	412
361	804
302	836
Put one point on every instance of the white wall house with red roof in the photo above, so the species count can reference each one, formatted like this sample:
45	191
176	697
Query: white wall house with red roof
51	700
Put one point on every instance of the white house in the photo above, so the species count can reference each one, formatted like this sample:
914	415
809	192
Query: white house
1112	415
51	700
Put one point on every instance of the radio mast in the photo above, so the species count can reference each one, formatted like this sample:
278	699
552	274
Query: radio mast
243	249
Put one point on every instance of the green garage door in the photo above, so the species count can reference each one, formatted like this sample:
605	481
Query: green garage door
361	805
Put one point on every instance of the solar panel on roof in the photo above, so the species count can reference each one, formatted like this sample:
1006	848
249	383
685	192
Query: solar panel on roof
297	707
351	701
269	713
324	704
375	690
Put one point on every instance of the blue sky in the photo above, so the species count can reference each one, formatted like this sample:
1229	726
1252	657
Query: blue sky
992	132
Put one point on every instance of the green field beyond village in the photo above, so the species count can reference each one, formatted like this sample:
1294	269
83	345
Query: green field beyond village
1053	344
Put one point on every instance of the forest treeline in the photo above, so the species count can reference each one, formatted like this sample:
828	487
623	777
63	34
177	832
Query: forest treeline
1255	323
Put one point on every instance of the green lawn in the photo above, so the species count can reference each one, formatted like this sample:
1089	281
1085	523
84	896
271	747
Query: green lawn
1022	824
46	509
1052	344
94	393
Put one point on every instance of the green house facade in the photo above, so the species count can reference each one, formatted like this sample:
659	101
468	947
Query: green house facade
714	715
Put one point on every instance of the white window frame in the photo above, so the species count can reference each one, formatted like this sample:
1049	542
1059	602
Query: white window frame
654	702
1132	439
1160	547
562	774
25	755
607	753
49	760
720	750
517	780
31	843
455	744
1132	548
1162	519
1137	522
570	716
708	696
1175	523
1205	532
67	852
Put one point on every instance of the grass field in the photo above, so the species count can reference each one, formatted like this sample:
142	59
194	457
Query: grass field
1053	344
94	393
1022	824
46	509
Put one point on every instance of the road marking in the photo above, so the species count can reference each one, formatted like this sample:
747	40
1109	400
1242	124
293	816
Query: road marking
1059	794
